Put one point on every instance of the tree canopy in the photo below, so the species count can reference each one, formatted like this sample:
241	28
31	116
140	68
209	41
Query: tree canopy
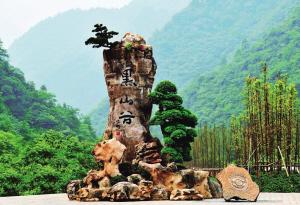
176	122
102	37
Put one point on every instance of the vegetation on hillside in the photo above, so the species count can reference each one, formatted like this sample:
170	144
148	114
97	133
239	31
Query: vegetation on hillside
73	71
266	135
43	145
217	96
206	33
197	39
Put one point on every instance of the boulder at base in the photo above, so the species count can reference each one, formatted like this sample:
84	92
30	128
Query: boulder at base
237	184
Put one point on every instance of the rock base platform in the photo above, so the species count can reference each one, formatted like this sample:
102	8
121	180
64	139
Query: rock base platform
62	199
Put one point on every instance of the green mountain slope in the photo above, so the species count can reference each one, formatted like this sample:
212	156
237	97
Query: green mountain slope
216	96
53	53
24	108
203	35
43	145
206	32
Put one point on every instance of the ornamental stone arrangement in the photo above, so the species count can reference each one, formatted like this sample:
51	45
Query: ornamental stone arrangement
133	168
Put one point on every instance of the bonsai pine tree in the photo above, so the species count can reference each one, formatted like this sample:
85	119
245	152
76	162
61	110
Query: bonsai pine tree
102	37
176	122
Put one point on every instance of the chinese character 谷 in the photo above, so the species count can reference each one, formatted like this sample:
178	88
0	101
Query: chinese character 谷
126	117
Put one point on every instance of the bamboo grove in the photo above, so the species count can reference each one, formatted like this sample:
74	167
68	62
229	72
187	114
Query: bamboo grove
264	137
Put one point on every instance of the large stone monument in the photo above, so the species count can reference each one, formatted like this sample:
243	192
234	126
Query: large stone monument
132	165
129	71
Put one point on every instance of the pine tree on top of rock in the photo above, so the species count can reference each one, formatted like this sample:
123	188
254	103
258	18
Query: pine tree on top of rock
176	122
102	37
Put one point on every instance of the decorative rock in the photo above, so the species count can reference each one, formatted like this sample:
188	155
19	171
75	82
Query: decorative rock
104	183
129	76
110	152
124	191
188	177
73	187
201	183
145	189
163	176
215	188
129	70
237	184
134	39
170	180
159	193
86	194
172	166
134	178
148	152
185	194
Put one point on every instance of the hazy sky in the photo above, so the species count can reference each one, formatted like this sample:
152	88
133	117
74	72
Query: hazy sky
17	16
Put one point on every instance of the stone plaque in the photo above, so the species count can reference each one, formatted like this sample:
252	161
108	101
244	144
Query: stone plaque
237	184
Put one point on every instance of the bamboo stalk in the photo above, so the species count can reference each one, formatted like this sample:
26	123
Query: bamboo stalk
283	162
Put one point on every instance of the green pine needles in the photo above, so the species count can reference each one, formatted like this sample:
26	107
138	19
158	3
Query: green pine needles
176	122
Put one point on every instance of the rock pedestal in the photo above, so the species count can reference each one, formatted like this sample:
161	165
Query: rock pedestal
129	70
194	182
237	184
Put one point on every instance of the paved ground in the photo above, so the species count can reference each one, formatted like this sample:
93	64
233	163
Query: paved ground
61	199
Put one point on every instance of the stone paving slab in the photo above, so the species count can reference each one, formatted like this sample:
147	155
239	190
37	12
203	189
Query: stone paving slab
61	199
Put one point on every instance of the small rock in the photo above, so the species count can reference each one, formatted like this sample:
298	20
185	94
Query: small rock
73	187
215	188
124	191
188	177
134	39
104	183
86	194
145	189
185	194
201	183
159	193
172	166
237	184
134	178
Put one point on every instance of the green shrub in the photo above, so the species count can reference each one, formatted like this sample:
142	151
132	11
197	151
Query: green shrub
278	182
128	46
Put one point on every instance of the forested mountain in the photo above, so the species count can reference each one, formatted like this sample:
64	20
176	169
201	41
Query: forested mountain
43	144
216	96
202	36
53	53
206	32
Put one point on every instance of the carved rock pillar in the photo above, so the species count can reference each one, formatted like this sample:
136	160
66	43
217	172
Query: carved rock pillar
129	71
